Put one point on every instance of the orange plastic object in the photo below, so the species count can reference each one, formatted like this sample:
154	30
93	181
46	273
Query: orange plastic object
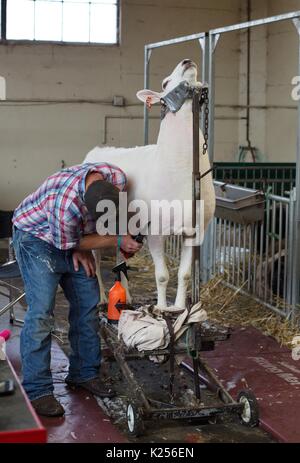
116	294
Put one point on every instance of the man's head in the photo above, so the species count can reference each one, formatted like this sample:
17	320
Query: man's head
100	190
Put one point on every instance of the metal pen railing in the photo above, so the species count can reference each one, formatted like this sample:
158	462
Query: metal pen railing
256	258
276	178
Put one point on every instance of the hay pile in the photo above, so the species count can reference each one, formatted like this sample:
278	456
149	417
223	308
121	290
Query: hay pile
222	304
231	308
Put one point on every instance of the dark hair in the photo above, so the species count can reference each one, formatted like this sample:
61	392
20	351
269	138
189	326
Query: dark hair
97	191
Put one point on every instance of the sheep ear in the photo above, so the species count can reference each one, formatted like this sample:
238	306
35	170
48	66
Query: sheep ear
148	96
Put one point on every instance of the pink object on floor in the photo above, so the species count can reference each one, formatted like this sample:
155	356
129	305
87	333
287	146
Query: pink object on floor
5	334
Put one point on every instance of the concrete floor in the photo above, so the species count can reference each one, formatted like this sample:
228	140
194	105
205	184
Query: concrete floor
163	431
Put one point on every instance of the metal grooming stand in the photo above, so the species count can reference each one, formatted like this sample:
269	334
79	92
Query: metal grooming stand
201	338
141	407
205	258
208	42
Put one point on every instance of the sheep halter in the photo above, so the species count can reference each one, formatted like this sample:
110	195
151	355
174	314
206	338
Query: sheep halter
173	101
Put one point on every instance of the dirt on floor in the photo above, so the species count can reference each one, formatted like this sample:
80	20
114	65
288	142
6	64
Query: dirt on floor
155	377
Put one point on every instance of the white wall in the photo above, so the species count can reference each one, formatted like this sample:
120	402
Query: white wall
36	137
274	60
283	52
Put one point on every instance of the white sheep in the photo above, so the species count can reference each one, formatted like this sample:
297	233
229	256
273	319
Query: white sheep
164	171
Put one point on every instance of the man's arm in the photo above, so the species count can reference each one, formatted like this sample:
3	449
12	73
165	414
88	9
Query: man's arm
95	241
82	253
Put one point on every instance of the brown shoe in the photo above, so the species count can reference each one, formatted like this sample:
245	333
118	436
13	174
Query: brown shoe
95	386
48	406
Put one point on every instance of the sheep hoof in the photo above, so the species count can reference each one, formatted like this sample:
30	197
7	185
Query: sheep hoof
174	309
161	307
180	305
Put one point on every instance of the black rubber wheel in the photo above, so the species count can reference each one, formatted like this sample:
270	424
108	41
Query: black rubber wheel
135	422
250	414
213	420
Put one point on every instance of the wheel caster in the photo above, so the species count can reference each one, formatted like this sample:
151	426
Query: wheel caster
135	422
222	396
250	413
213	420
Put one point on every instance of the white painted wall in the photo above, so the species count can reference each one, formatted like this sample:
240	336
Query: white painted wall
36	137
274	58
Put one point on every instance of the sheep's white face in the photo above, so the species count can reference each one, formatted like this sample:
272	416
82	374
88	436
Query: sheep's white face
186	70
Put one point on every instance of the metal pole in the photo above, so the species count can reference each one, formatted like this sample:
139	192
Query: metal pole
147	55
296	250
206	260
204	44
209	75
213	40
176	41
256	22
196	196
3	19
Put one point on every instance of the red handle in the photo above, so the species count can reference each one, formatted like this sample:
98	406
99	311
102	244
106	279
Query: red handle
127	255
5	334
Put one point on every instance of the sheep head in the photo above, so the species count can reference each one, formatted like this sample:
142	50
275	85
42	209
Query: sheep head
186	71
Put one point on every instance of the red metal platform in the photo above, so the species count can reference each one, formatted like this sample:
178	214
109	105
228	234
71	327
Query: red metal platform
251	360
18	420
84	420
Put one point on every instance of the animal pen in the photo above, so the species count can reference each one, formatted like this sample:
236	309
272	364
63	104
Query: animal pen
259	258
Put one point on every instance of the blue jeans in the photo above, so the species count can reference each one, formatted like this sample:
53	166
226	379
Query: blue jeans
43	268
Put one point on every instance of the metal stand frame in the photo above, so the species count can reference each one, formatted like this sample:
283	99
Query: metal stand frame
7	284
141	407
208	42
202	38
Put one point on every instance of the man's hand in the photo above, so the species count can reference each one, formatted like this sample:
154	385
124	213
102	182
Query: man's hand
129	245
86	259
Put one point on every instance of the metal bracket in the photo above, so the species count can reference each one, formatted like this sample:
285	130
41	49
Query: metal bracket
202	42
214	41
296	22
148	53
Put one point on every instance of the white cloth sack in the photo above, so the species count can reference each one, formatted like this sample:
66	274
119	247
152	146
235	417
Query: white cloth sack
146	329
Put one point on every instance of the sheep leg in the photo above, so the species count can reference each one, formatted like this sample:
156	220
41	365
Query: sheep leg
184	275
97	256
156	248
124	283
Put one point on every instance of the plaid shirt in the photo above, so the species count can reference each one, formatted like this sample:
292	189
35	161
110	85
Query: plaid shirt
56	212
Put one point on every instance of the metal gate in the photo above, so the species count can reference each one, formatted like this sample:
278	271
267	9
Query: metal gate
257	259
275	178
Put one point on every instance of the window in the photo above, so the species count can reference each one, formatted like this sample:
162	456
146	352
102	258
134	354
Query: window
70	21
